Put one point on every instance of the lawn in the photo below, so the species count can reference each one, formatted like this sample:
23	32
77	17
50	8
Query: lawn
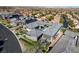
33	45
29	45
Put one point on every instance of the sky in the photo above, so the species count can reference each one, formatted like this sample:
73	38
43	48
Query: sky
39	2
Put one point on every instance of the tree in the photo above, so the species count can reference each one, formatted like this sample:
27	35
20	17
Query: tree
61	20
50	18
70	22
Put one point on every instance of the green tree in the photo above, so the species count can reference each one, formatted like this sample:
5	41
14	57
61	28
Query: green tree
50	18
62	20
70	22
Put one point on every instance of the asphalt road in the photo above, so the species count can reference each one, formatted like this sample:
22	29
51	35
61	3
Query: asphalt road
11	44
60	46
66	44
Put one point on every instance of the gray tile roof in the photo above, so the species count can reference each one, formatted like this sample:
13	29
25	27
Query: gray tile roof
52	30
32	25
35	33
37	23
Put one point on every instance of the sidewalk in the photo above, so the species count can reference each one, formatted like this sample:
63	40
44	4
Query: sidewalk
54	41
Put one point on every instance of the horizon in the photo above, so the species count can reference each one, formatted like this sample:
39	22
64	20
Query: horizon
42	6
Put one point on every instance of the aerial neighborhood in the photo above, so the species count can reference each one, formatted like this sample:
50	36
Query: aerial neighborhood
39	30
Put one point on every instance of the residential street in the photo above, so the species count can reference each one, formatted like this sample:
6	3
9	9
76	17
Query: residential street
66	44
11	44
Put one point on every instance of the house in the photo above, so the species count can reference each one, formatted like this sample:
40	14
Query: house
9	15
45	30
5	15
40	25
13	21
51	32
34	34
35	29
17	19
32	25
30	19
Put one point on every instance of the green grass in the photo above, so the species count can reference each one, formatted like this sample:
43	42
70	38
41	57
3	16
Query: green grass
29	44
33	44
44	49
63	30
28	41
6	23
